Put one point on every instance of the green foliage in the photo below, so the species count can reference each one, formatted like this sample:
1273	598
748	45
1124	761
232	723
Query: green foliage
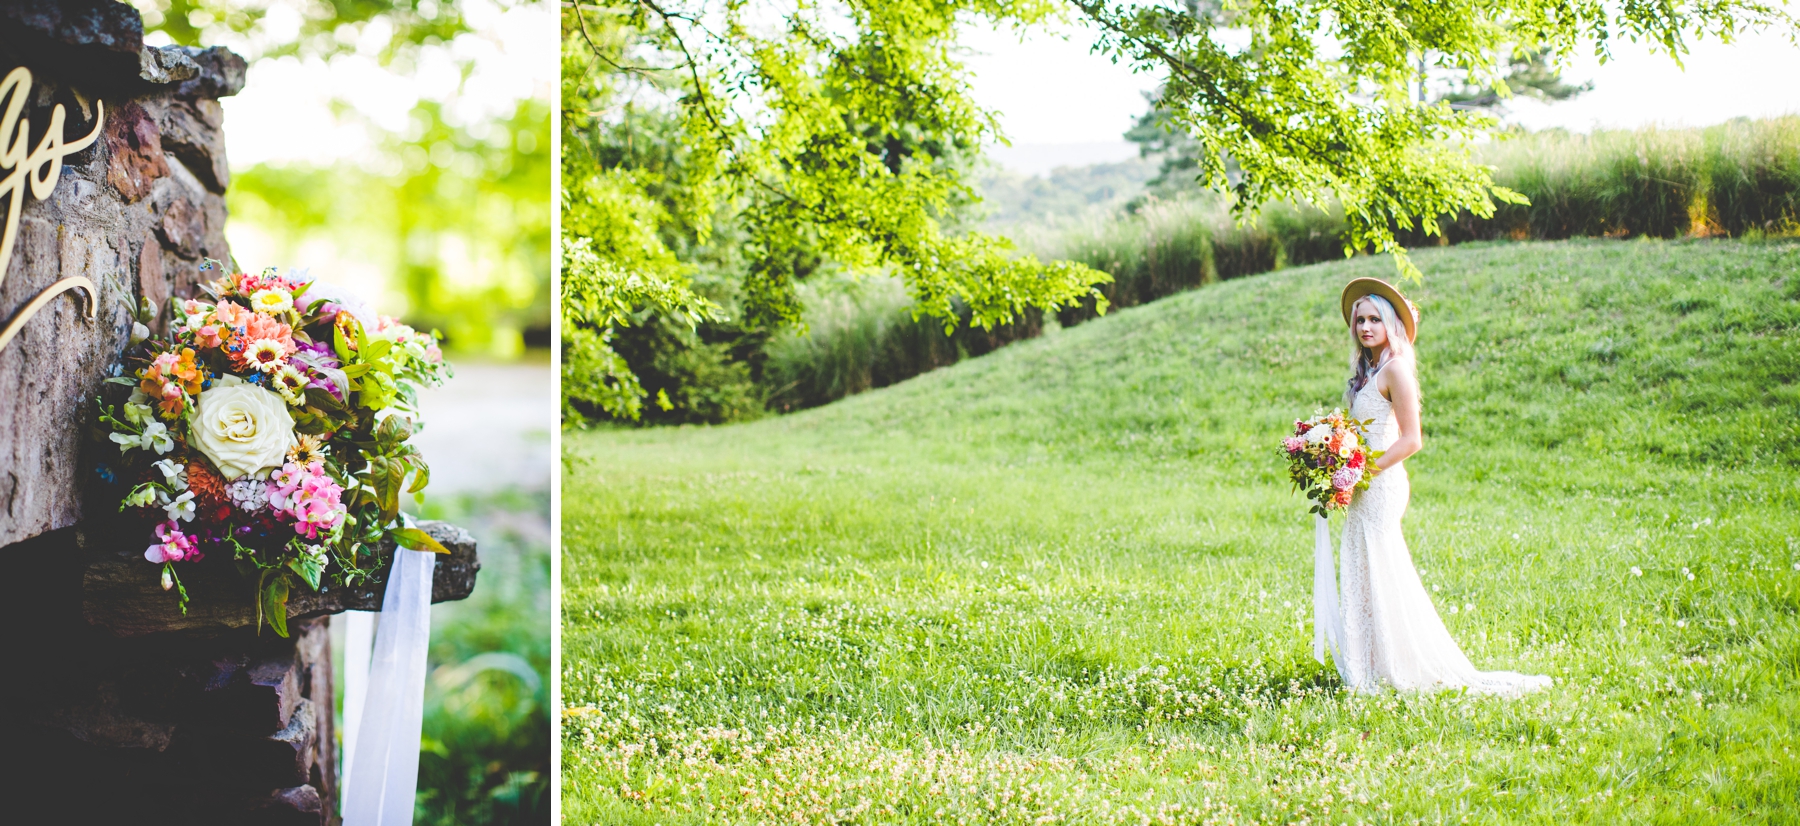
458	212
452	202
837	140
1071	580
1754	168
486	736
311	27
1284	119
864	335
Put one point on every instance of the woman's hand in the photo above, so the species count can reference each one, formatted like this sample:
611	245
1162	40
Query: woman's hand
1402	390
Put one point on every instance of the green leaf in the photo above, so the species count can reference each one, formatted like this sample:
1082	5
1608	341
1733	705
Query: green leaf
309	567
356	371
418	540
341	345
376	349
421	475
273	605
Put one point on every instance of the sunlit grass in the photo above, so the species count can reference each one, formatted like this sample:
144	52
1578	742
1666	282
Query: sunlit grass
1067	583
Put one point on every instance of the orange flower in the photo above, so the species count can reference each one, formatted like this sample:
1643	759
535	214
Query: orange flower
263	342
1342	497
233	315
208	487
170	379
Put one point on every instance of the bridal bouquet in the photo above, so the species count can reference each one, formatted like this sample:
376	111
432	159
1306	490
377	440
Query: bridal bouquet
270	427
1328	459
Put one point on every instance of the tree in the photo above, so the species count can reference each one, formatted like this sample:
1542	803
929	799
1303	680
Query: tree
835	131
821	139
441	193
1310	99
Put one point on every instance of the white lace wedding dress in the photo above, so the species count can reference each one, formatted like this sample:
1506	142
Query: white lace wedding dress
1388	633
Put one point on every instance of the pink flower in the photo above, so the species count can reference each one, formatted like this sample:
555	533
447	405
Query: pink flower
1345	478
308	497
1293	444
209	336
434	354
174	547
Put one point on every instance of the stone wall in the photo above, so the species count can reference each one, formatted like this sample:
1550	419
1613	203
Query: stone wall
116	707
135	213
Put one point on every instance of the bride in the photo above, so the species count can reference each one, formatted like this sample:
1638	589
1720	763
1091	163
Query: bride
1388	633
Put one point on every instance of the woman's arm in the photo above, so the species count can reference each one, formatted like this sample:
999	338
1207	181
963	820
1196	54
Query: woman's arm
1403	391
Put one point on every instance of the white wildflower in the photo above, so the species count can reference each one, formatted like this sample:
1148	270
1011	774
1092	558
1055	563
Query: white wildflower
181	508
156	437
174	475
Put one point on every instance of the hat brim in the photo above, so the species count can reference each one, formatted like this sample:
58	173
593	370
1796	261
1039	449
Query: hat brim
1361	287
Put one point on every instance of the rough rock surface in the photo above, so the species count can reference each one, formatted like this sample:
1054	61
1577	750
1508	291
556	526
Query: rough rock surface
135	213
122	594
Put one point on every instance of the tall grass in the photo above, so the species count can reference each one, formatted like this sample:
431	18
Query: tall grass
1755	183
1736	179
862	336
1170	246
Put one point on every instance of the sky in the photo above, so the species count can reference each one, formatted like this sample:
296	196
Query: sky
1061	105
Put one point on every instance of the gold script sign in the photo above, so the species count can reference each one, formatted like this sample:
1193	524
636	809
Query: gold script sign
41	168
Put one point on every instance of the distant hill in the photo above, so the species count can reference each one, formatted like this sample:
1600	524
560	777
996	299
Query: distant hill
1011	198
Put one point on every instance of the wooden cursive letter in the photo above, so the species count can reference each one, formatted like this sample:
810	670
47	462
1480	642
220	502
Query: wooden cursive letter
41	168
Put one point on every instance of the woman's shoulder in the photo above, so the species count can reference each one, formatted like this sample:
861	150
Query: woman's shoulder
1398	369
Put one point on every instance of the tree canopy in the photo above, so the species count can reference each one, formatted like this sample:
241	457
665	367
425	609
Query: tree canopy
841	133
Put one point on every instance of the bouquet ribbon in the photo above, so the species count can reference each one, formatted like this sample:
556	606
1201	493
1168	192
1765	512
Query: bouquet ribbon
382	720
1328	624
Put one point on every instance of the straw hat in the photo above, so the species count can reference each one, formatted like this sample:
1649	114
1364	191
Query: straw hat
1375	286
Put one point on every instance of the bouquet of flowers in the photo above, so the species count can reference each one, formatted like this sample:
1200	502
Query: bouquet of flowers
270	427
1328	459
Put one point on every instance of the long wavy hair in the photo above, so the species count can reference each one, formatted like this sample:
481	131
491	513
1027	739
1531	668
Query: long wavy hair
1362	362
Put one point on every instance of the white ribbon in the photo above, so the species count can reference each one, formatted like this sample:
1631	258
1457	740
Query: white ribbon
359	642
381	778
1328	624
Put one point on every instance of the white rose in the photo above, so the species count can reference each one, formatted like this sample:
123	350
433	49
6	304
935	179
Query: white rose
242	428
1318	434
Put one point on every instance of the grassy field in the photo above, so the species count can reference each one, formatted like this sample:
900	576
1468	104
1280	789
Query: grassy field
1067	582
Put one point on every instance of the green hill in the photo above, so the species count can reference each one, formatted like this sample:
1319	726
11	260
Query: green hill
1068	578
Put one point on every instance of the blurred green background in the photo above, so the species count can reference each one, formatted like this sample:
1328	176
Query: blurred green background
402	149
